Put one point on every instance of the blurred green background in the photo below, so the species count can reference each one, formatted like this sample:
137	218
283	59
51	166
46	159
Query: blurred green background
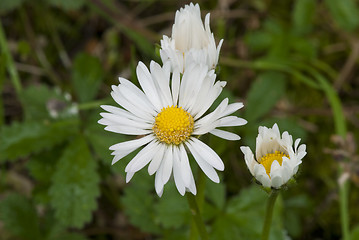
293	62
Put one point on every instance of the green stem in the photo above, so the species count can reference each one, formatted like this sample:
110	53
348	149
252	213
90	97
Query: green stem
340	126
94	104
341	130
197	216
269	214
9	61
270	65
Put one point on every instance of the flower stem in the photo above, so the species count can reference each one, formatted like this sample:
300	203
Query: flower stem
197	216
269	213
9	61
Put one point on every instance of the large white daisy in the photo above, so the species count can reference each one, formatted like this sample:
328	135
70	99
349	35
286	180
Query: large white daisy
191	41
169	115
277	160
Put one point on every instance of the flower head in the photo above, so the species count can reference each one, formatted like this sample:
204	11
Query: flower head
191	41
276	159
170	113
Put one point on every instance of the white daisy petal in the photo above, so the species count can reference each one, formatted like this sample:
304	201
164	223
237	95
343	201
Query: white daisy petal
167	164
207	154
225	135
186	168
146	82
113	119
133	144
177	172
231	108
232	121
158	180
156	160
129	176
123	113
142	158
127	130
296	143
175	86
206	167
129	106
162	79
210	98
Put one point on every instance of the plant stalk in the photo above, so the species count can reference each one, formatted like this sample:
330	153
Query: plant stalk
196	215
9	61
269	214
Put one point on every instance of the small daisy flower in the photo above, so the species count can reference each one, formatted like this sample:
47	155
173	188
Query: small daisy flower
191	41
276	159
169	114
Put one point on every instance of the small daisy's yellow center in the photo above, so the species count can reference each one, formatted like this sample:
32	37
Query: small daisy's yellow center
173	125
269	158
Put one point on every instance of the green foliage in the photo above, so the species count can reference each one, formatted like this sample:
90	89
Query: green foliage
244	217
303	15
67	4
139	204
86	77
41	102
20	217
264	94
21	139
9	5
345	13
75	185
69	236
355	233
171	210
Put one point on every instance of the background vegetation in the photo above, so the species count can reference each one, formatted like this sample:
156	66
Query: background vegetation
290	62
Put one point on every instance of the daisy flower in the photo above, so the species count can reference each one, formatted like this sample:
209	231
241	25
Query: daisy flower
169	114
190	40
276	160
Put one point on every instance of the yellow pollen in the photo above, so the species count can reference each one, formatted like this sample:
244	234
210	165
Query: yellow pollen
269	158
173	125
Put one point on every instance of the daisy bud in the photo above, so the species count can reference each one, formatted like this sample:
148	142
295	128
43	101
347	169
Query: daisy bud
191	40
276	160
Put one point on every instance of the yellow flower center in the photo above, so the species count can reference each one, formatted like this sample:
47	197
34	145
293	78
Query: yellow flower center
268	159
173	125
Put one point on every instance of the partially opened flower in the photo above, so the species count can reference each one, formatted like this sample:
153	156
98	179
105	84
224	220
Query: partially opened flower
191	41
169	115
276	160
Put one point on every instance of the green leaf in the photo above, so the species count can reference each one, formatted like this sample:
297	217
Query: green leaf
9	5
303	15
67	4
138	201
86	77
69	236
216	193
300	206
244	217
41	102
172	210
345	13
42	167
259	40
355	233
20	217
21	139
264	94
75	185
